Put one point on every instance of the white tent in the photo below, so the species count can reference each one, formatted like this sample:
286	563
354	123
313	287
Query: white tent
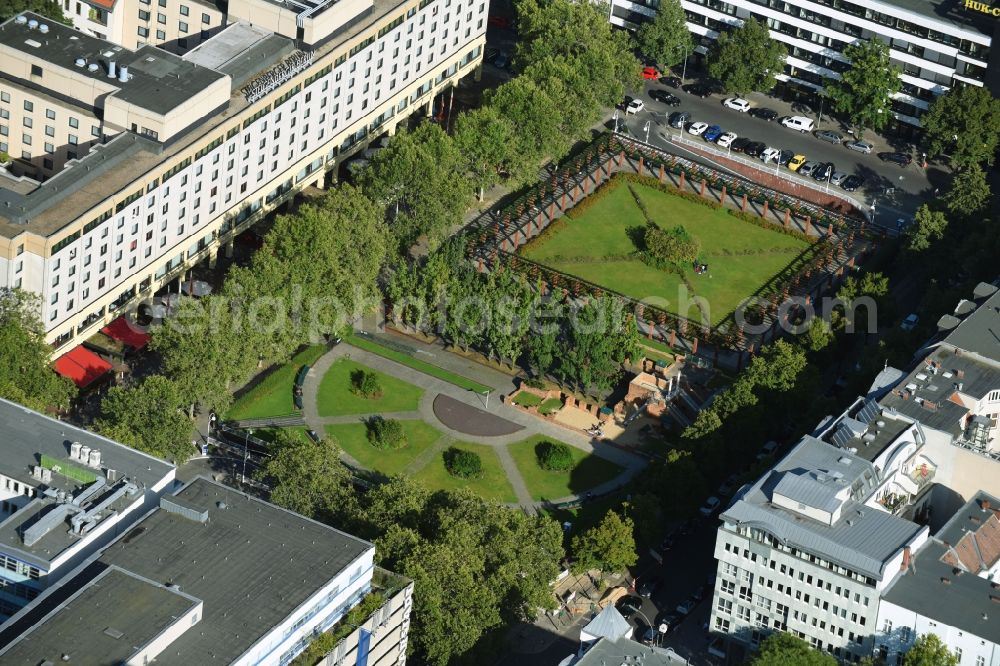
609	624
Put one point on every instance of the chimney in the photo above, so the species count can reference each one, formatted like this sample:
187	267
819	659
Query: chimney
906	559
111	70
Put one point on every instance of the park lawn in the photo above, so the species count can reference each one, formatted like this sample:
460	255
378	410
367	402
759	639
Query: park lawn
336	399
589	471
374	347
525	399
492	486
270	434
550	406
273	396
353	439
577	246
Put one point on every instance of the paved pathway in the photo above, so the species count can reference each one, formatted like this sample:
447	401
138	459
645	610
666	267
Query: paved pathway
433	387
361	418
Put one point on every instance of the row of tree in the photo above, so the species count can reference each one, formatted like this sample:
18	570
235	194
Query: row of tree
784	649
583	344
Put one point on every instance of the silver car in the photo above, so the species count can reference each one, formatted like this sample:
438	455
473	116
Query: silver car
807	168
860	146
838	177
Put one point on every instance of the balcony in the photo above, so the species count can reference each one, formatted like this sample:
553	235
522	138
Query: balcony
922	474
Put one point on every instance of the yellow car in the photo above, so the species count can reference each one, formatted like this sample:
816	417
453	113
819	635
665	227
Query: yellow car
796	162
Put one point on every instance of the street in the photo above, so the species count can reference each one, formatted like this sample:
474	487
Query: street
898	191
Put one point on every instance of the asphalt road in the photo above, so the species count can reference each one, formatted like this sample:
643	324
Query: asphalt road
899	191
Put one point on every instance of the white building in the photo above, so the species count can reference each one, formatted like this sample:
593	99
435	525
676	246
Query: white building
950	589
65	493
149	172
214	576
937	43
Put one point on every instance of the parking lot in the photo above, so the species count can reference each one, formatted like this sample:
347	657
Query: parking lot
898	191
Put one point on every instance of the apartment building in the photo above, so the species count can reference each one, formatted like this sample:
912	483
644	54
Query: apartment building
949	589
170	24
937	43
802	551
65	493
183	153
213	576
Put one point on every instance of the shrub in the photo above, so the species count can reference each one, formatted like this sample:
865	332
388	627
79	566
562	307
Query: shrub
675	245
554	456
535	382
365	383
386	433
463	464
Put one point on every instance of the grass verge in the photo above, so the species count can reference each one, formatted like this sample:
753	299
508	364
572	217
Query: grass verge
374	347
492	486
273	395
336	398
588	471
353	439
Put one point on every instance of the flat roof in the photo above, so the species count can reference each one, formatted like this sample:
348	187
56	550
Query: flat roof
107	621
936	589
111	178
158	80
863	538
252	563
242	51
979	332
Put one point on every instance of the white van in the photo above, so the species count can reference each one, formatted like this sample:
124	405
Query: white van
800	123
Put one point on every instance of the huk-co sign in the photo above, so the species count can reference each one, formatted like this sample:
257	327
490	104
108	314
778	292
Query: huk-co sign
982	7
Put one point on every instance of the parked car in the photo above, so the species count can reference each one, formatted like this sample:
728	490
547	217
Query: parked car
678	119
728	486
672	81
737	104
910	322
635	106
629	605
770	155
626	100
755	148
710	505
661	95
837	177
739	144
902	159
686	606
785	157
696	129
700	593
800	123
698	89
314	436
667	621
796	162
726	140
769	449
763	113
860	146
823	171
650	73
829	136
649	587
667	543
502	60
852	183
807	168
712	133
649	636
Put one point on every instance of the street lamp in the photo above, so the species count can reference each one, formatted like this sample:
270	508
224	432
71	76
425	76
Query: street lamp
647	131
487	394
246	444
685	68
614	118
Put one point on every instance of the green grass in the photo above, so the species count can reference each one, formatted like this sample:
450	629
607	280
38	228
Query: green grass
335	397
589	471
549	406
525	399
374	347
353	438
494	484
588	514
273	396
601	232
271	434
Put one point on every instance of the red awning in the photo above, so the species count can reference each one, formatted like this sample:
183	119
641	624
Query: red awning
82	366
123	331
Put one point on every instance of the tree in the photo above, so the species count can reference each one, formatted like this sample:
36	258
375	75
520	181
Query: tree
777	366
535	118
965	119
666	39
148	417
25	374
608	546
864	92
386	433
929	650
511	301
554	456
462	463
671	245
365	383
784	649
47	8
746	59
928	226
969	192
486	138
308	477
420	178
818	336
543	345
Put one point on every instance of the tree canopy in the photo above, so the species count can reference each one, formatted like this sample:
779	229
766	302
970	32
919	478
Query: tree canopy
784	649
25	374
148	417
969	193
928	227
308	477
47	8
864	92
746	59
929	650
666	39
609	546
965	121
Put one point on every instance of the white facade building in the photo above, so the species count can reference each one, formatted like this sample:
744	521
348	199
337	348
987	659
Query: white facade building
937	43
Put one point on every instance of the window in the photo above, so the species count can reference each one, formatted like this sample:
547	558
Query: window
72	139
980	660
143	32
74	123
28	122
725	606
5	97
887	627
50	130
50	114
182	26
28	106
728	587
160	34
958	653
143	15
206	19
184	10
161	18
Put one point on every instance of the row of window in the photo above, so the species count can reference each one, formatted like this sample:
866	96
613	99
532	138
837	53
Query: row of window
764	537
